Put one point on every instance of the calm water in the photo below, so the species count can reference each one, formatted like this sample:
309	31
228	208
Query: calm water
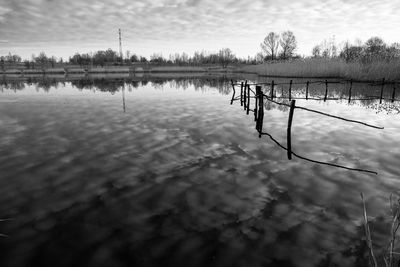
181	178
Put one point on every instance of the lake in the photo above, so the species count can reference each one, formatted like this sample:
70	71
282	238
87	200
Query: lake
161	170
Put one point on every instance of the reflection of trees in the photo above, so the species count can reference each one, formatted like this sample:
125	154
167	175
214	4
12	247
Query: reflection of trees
113	84
362	93
19	84
46	84
13	85
106	84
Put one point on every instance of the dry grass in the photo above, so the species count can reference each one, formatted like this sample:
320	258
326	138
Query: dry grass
389	255
327	68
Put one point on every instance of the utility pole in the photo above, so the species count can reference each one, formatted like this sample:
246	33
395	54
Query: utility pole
120	44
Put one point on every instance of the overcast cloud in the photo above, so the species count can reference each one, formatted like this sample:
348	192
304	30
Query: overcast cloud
62	27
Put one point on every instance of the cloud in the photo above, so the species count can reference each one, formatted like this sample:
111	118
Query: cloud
168	25
3	12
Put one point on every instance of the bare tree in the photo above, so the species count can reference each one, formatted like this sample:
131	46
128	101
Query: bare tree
259	57
288	44
375	47
316	51
270	44
225	57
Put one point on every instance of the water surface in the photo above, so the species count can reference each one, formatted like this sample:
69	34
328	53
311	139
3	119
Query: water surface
163	171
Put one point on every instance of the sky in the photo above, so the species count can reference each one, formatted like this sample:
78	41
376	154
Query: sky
63	27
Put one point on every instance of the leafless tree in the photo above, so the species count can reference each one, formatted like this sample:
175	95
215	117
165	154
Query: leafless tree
316	51
225	57
288	44
270	44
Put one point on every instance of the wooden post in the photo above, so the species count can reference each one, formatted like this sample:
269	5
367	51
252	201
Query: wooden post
272	89
241	94
326	90
260	116
351	85
290	90
258	89
289	130
394	93
307	89
245	96
234	92
383	85
248	99
255	106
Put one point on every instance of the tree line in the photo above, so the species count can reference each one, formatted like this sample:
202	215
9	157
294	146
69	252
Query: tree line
374	49
283	46
274	47
223	57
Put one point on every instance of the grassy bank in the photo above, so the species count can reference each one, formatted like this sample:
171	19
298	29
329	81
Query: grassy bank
329	68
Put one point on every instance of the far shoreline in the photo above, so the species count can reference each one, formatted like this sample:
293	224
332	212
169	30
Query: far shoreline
264	70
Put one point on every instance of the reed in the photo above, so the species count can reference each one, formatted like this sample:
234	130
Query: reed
329	68
389	256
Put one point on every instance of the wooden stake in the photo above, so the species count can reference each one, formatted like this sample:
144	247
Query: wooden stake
351	85
245	96
260	116
258	89
290	90
307	89
248	99
241	94
326	90
383	85
289	130
255	107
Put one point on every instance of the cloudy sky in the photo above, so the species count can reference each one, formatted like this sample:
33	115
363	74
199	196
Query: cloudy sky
63	27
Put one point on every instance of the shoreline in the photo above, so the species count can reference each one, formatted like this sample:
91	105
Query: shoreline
232	70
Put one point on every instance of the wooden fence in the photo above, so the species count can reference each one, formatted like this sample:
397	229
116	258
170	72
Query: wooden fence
258	96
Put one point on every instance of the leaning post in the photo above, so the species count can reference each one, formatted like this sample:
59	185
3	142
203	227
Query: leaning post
290	90
308	83
326	90
289	129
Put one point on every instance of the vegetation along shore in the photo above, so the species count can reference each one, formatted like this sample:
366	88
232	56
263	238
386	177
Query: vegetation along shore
371	60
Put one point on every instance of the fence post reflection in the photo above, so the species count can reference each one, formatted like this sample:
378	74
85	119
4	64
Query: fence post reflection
234	92
383	85
351	85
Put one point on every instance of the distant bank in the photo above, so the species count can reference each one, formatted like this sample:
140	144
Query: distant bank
113	69
305	68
